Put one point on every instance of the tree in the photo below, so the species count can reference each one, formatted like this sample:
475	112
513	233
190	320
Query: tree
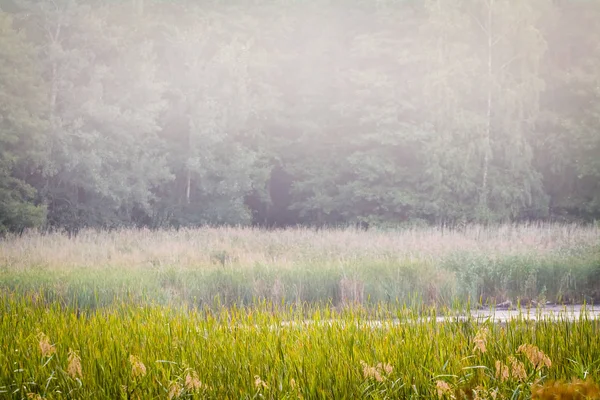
568	141
484	92
213	114
184	113
21	126
104	155
382	136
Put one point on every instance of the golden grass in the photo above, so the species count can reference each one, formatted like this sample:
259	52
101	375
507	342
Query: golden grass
246	247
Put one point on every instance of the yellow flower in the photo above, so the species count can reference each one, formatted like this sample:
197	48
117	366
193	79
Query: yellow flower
35	396
293	383
46	348
443	388
137	367
535	356
74	367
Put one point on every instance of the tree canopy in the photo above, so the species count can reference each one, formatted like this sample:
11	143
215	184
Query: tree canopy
184	113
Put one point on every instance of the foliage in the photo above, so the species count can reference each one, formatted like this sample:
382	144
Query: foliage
21	108
178	114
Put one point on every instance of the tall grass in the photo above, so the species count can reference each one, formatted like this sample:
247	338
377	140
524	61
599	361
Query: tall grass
246	247
243	313
545	262
123	351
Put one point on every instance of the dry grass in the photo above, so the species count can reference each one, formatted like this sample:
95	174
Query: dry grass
246	247
346	266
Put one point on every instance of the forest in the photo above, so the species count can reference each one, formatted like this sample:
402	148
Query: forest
158	113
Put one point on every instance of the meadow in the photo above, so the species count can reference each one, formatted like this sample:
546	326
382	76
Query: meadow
226	266
248	313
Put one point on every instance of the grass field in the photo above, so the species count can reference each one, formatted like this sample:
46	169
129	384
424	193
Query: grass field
226	266
156	352
243	313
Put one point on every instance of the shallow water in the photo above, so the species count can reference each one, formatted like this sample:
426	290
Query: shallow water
500	316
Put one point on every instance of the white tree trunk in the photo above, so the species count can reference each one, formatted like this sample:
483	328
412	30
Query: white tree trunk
483	200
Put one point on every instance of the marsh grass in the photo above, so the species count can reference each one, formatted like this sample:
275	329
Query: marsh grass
239	313
124	351
545	262
246	247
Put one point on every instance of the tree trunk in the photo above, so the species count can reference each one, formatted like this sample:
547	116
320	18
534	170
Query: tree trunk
483	200
54	84
191	132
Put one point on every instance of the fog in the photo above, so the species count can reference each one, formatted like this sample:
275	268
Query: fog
277	113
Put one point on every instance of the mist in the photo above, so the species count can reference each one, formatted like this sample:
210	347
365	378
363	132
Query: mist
279	113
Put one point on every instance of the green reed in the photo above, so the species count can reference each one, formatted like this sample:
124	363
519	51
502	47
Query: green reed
271	351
